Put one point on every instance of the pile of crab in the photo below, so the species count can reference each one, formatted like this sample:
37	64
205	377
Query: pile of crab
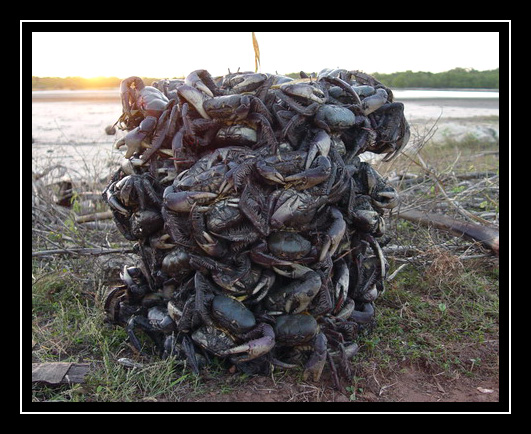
257	226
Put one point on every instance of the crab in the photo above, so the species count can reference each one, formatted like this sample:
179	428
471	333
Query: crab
230	329
391	128
258	227
284	248
139	101
296	333
156	323
295	296
292	169
225	119
135	203
236	276
235	108
240	82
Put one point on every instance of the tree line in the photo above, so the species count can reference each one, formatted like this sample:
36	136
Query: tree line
454	78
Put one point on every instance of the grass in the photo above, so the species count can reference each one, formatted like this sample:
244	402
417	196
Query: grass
428	319
440	314
68	324
425	319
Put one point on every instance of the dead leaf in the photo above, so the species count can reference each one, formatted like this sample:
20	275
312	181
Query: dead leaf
256	53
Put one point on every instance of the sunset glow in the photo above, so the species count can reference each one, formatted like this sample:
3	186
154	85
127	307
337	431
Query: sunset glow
174	54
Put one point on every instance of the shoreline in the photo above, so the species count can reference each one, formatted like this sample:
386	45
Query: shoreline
456	96
70	131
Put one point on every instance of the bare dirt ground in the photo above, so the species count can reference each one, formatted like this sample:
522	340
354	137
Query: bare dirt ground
412	385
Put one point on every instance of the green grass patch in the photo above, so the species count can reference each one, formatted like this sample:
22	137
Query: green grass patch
437	324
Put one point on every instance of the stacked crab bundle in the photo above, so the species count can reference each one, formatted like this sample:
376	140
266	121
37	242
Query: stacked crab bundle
257	225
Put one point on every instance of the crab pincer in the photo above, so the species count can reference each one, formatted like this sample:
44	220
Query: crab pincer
136	96
315	364
262	340
183	201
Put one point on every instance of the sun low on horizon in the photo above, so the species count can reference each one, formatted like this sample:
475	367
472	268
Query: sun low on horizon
101	55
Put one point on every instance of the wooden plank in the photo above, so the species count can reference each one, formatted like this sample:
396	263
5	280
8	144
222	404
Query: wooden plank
59	372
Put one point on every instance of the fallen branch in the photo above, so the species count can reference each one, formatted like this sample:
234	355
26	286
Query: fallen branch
81	251
105	215
486	235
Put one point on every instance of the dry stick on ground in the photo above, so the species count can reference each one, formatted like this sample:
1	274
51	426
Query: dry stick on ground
104	215
484	232
434	176
55	230
81	251
486	235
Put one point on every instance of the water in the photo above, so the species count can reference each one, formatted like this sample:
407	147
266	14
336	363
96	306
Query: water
68	129
114	94
445	94
111	95
68	126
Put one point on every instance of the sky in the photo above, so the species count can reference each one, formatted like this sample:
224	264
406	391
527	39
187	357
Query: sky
175	54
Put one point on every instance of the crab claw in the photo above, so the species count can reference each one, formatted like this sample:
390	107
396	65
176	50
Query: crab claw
374	102
341	277
300	293
313	176
210	245
114	203
334	234
386	199
161	242
202	80
246	82
365	315
194	97
183	201
128	95
304	90
314	366
135	139
320	144
382	194
297	270
262	341
286	210
268	172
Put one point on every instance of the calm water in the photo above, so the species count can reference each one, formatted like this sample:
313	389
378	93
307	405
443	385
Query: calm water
399	94
68	126
405	94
